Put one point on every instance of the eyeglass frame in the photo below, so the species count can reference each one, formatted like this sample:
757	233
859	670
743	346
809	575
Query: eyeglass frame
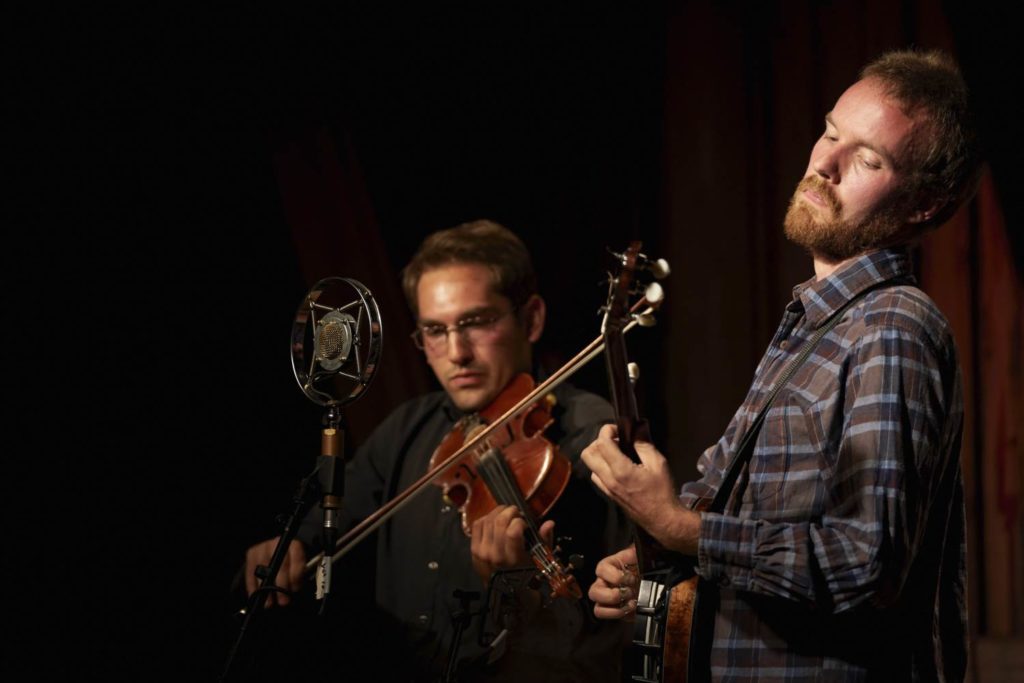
460	327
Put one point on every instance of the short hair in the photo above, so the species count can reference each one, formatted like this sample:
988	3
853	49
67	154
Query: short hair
480	242
945	152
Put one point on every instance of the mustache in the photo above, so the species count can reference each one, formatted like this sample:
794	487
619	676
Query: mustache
823	189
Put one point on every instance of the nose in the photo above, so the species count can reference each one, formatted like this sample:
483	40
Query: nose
460	351
825	163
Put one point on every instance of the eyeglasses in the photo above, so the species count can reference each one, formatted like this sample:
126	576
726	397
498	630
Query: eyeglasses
475	329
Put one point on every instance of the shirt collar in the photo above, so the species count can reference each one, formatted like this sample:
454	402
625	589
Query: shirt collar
450	410
822	298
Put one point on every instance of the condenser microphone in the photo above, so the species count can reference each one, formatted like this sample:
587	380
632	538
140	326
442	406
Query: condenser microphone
336	346
336	341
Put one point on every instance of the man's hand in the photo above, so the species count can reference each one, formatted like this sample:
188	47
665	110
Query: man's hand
615	590
497	541
645	490
289	576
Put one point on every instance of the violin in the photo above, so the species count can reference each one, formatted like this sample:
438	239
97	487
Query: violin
515	465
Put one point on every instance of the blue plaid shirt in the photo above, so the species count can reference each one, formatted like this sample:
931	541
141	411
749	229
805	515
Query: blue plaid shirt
841	552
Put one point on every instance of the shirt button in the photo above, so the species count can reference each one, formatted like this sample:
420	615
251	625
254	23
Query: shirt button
784	343
446	508
432	565
423	619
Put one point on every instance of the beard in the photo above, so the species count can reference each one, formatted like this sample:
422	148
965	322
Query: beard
832	239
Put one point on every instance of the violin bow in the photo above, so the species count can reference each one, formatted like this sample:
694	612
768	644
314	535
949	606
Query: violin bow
641	313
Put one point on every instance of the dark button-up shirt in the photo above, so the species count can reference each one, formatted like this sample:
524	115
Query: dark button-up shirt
423	555
840	554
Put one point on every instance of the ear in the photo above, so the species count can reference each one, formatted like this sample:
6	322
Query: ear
534	314
923	214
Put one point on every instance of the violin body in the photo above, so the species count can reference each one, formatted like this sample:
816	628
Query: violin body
538	469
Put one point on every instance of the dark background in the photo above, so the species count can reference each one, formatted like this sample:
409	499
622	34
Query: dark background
183	175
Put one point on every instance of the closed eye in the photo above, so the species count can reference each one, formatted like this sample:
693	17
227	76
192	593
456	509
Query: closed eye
475	321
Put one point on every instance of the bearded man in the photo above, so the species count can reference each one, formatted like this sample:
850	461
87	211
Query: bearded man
837	551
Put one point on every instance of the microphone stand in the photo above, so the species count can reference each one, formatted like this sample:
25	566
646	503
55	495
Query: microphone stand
268	574
330	474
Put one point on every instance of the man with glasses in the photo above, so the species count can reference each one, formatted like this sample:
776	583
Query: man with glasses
472	290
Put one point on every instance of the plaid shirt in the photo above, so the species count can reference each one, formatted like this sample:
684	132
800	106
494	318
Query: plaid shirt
841	552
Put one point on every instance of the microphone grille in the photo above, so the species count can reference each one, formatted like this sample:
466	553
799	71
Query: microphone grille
333	340
330	342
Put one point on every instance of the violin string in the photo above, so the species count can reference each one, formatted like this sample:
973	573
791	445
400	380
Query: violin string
493	467
495	470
